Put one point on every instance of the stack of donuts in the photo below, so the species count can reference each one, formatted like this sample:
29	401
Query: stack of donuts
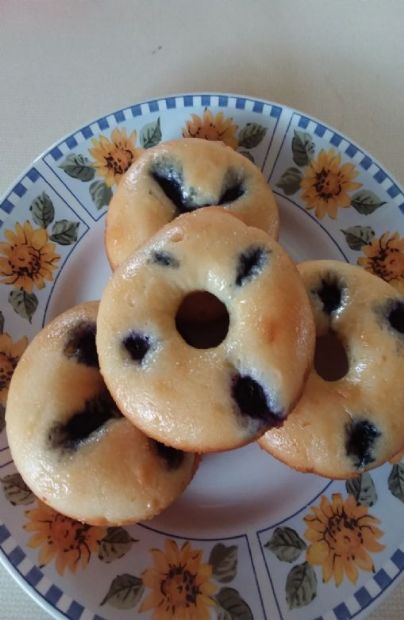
207	337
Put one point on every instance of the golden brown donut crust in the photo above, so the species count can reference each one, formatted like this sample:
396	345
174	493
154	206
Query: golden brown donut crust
205	170
185	396
344	427
114	476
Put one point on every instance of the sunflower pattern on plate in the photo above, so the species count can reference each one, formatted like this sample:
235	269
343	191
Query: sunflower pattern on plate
218	127
338	536
114	156
30	253
342	534
385	258
65	541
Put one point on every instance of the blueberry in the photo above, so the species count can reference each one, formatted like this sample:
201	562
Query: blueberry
233	188
84	423
252	401
80	344
137	345
330	293
172	457
171	184
361	437
396	316
165	259
250	264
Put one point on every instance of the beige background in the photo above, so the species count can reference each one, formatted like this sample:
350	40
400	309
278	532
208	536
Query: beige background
63	63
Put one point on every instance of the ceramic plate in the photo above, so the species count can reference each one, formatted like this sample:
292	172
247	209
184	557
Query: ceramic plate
239	538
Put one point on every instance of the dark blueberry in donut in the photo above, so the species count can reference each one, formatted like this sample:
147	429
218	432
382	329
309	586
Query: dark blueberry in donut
330	293
171	184
361	436
250	264
396	316
252	401
84	423
172	457
137	345
165	259
80	344
233	188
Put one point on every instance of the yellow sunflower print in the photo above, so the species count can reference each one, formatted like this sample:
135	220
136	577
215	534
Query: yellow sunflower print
27	258
211	127
180	584
326	184
342	534
385	258
10	353
66	541
113	157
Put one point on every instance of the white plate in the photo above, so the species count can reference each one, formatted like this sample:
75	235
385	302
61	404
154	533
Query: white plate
239	501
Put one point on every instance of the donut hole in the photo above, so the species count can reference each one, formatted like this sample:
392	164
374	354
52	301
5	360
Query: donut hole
330	357
202	320
396	317
82	424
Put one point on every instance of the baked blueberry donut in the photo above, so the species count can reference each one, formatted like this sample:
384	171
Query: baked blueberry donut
196	381
180	176
350	417
69	441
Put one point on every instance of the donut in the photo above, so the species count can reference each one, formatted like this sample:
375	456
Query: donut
350	416
180	176
206	383
70	443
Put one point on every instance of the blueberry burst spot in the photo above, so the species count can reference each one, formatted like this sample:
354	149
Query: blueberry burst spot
361	437
171	457
171	182
80	344
165	259
330	294
252	401
396	316
137	345
81	426
250	264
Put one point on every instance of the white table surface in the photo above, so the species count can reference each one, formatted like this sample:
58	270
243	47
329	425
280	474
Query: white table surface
63	63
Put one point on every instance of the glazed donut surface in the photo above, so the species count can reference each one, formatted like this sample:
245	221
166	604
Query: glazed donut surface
344	426
226	394
69	441
180	176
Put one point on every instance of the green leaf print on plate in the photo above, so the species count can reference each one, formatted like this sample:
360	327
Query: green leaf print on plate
124	592
358	236
78	167
150	134
286	544
23	303
302	147
115	544
363	489
231	606
100	193
301	585
64	232
290	181
16	491
251	135
396	481
365	202
42	210
224	562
